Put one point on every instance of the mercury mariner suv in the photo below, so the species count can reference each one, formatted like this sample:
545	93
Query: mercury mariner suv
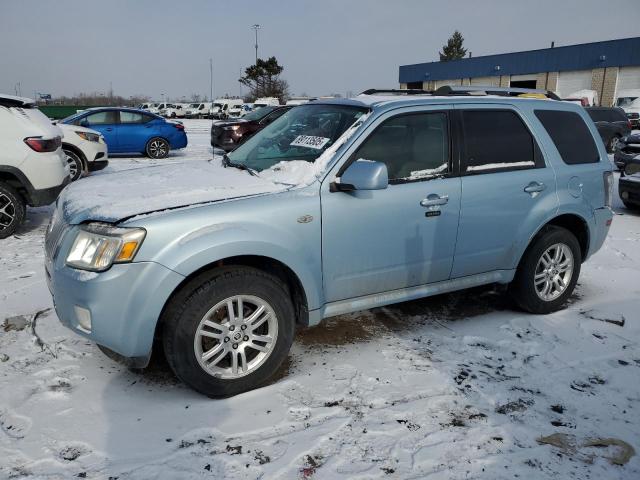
336	206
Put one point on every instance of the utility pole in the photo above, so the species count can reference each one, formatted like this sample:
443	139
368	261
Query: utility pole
211	79
256	27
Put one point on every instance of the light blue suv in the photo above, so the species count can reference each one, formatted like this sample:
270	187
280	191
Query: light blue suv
335	207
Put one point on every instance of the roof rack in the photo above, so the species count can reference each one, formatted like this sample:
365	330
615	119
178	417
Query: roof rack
447	90
405	91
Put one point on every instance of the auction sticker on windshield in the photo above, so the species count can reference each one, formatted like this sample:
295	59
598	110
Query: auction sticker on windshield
310	141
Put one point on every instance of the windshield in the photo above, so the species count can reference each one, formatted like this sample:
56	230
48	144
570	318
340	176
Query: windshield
302	133
625	101
194	105
70	118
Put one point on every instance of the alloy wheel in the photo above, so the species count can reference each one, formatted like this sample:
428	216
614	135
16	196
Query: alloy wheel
7	211
553	272
614	143
236	336
158	148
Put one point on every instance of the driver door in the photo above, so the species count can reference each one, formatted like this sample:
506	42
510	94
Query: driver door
403	236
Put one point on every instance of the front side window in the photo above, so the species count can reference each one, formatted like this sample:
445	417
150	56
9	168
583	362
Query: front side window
413	146
301	133
570	135
497	140
107	117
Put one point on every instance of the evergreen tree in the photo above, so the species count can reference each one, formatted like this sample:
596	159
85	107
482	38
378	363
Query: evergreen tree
453	50
263	80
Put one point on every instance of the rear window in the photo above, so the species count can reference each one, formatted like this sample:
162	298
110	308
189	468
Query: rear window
497	140
570	135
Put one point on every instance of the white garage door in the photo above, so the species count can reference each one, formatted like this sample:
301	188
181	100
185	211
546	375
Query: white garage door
569	82
442	83
628	78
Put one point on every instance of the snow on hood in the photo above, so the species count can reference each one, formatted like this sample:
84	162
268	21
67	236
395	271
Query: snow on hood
115	196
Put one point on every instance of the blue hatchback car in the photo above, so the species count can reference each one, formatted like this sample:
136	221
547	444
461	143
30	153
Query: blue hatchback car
129	130
336	206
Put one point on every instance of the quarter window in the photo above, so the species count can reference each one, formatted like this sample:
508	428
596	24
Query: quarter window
414	146
570	135
497	140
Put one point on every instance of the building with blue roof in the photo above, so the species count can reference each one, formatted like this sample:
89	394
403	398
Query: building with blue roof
607	68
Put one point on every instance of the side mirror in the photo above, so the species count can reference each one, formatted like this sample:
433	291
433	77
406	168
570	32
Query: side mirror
84	122
363	175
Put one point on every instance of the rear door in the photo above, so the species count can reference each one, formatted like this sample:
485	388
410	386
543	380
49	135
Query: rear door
507	188
105	122
135	130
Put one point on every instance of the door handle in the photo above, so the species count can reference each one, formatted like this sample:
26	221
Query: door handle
109	129
535	187
433	200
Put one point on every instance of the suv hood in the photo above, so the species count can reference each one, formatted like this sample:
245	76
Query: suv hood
113	197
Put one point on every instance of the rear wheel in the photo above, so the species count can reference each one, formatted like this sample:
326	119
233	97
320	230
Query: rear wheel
548	271
76	167
229	331
157	148
12	210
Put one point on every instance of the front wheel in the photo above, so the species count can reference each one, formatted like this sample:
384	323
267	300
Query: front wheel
229	331
157	148
76	167
548	271
12	210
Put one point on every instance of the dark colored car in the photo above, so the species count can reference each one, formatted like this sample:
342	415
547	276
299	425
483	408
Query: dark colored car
627	150
629	185
129	130
229	134
612	124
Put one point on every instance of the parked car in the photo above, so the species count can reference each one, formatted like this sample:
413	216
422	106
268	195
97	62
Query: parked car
33	168
198	110
222	107
629	101
336	206
147	106
173	111
86	150
628	149
229	134
128	130
266	101
240	110
629	185
586	98
612	125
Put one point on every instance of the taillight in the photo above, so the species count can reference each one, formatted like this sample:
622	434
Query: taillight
40	144
179	126
608	188
629	123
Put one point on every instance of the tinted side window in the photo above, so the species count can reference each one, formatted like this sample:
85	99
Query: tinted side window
133	117
108	117
570	135
597	115
497	140
412	146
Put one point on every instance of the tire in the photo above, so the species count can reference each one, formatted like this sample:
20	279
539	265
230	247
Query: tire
613	143
76	165
157	148
206	299
528	286
12	210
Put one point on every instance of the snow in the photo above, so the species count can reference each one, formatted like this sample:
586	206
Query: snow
492	166
456	386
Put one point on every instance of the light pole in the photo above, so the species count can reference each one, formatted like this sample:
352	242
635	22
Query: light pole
162	95
211	79
256	27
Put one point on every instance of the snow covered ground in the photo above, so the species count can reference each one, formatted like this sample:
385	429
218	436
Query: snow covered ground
456	386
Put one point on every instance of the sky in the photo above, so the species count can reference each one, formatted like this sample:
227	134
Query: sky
155	47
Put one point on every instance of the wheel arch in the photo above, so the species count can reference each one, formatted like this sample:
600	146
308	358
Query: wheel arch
573	222
77	151
263	263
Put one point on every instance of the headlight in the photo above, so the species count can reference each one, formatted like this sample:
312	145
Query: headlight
98	246
232	127
91	137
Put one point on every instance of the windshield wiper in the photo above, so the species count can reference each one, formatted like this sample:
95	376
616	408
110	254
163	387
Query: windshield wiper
226	162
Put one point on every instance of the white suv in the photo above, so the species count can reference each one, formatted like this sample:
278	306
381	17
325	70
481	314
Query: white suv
33	168
86	150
